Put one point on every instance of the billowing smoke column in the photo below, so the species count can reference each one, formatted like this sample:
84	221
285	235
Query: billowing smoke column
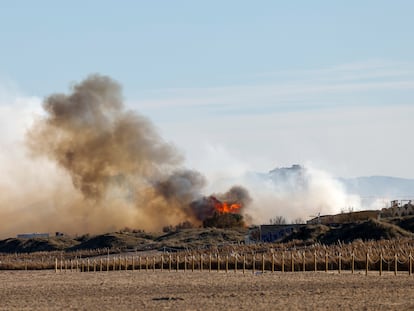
92	136
118	162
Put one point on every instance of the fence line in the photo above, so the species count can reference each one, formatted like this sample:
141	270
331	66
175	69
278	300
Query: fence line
297	261
301	260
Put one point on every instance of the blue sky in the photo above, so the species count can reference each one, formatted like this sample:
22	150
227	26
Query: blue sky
260	83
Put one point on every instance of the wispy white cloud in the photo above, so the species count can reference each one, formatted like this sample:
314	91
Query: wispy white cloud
295	90
368	69
346	141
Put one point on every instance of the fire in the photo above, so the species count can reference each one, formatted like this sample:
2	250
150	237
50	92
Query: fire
225	207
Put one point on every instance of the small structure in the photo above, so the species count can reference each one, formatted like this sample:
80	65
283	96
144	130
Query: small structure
344	218
398	209
253	235
33	235
272	233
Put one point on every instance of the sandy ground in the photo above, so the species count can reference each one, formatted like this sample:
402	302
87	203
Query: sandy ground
147	290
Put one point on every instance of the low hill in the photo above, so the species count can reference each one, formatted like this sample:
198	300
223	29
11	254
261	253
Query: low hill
117	241
407	223
128	241
201	238
364	230
14	245
197	238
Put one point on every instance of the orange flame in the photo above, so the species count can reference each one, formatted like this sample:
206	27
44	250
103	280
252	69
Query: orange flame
224	207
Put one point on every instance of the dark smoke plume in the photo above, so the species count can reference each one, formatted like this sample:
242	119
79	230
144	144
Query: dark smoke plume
92	136
203	208
237	194
127	174
181	187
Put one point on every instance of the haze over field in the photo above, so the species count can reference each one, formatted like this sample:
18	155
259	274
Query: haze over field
88	164
109	168
213	95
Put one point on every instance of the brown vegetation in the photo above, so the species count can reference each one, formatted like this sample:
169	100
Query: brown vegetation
392	255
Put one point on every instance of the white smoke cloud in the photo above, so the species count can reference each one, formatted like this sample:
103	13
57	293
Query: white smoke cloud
302	196
28	186
293	193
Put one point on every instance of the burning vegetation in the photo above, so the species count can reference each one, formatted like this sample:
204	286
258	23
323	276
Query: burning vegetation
223	210
224	207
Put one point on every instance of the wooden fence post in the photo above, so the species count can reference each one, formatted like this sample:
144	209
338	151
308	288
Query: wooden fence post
209	263
254	263
263	262
107	261
366	263
153	264
396	264
244	263
380	267
133	263
273	262
177	263
292	263
315	267
353	262
410	264
339	263
126	263
218	263
326	262
304	261
227	263
185	263
192	263
169	263
235	263
146	263
100	266
56	265
162	262
283	262
201	262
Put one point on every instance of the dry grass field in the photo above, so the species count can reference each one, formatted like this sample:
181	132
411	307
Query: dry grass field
134	290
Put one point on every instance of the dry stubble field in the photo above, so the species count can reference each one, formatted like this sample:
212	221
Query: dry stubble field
129	290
